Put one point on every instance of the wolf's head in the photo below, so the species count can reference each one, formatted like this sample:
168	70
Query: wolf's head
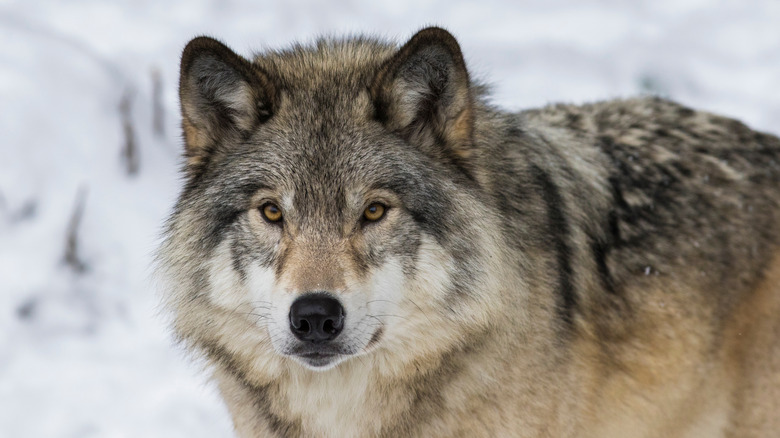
332	204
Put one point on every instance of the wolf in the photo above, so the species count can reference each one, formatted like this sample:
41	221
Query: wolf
364	246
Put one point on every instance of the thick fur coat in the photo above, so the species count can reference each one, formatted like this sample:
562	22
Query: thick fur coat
605	270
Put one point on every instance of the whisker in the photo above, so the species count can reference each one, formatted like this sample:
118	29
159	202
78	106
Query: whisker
389	314
421	311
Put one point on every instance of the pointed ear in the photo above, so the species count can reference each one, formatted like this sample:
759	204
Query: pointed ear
222	95
423	93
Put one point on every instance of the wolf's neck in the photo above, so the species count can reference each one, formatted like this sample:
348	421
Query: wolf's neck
356	398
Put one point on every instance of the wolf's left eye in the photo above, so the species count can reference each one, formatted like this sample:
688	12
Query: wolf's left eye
374	212
271	212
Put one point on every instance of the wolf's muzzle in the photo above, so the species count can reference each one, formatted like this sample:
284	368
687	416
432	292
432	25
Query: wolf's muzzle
316	317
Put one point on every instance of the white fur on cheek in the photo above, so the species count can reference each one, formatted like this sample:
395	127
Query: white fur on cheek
386	286
411	303
230	293
266	299
226	289
260	282
434	271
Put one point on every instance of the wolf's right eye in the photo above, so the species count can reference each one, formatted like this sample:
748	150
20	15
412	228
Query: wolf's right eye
374	212
271	212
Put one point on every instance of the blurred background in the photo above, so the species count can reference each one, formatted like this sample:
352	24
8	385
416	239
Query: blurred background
90	147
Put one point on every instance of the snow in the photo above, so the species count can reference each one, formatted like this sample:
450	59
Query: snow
87	354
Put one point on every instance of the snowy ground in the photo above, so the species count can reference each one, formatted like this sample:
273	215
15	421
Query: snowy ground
82	353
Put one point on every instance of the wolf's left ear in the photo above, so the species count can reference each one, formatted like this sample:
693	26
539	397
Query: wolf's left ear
423	93
222	96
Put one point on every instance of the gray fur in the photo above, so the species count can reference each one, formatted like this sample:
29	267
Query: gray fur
593	266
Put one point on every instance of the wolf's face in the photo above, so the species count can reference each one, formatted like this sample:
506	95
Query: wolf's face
332	233
328	195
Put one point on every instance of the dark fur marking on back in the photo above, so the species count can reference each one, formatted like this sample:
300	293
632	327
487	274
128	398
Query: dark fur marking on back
559	233
638	224
600	248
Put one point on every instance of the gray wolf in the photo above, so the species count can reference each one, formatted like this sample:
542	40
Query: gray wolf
364	246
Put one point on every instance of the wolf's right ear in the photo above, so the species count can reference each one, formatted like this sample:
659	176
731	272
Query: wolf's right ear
222	94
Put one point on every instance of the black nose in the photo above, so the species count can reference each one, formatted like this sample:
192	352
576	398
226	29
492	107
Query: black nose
316	318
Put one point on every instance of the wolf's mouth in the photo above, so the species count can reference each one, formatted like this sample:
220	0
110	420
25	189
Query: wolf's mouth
318	359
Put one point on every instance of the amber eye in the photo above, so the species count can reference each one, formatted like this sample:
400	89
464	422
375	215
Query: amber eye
271	212
374	212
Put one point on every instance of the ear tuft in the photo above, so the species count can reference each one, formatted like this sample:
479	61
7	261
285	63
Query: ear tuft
423	92
222	94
